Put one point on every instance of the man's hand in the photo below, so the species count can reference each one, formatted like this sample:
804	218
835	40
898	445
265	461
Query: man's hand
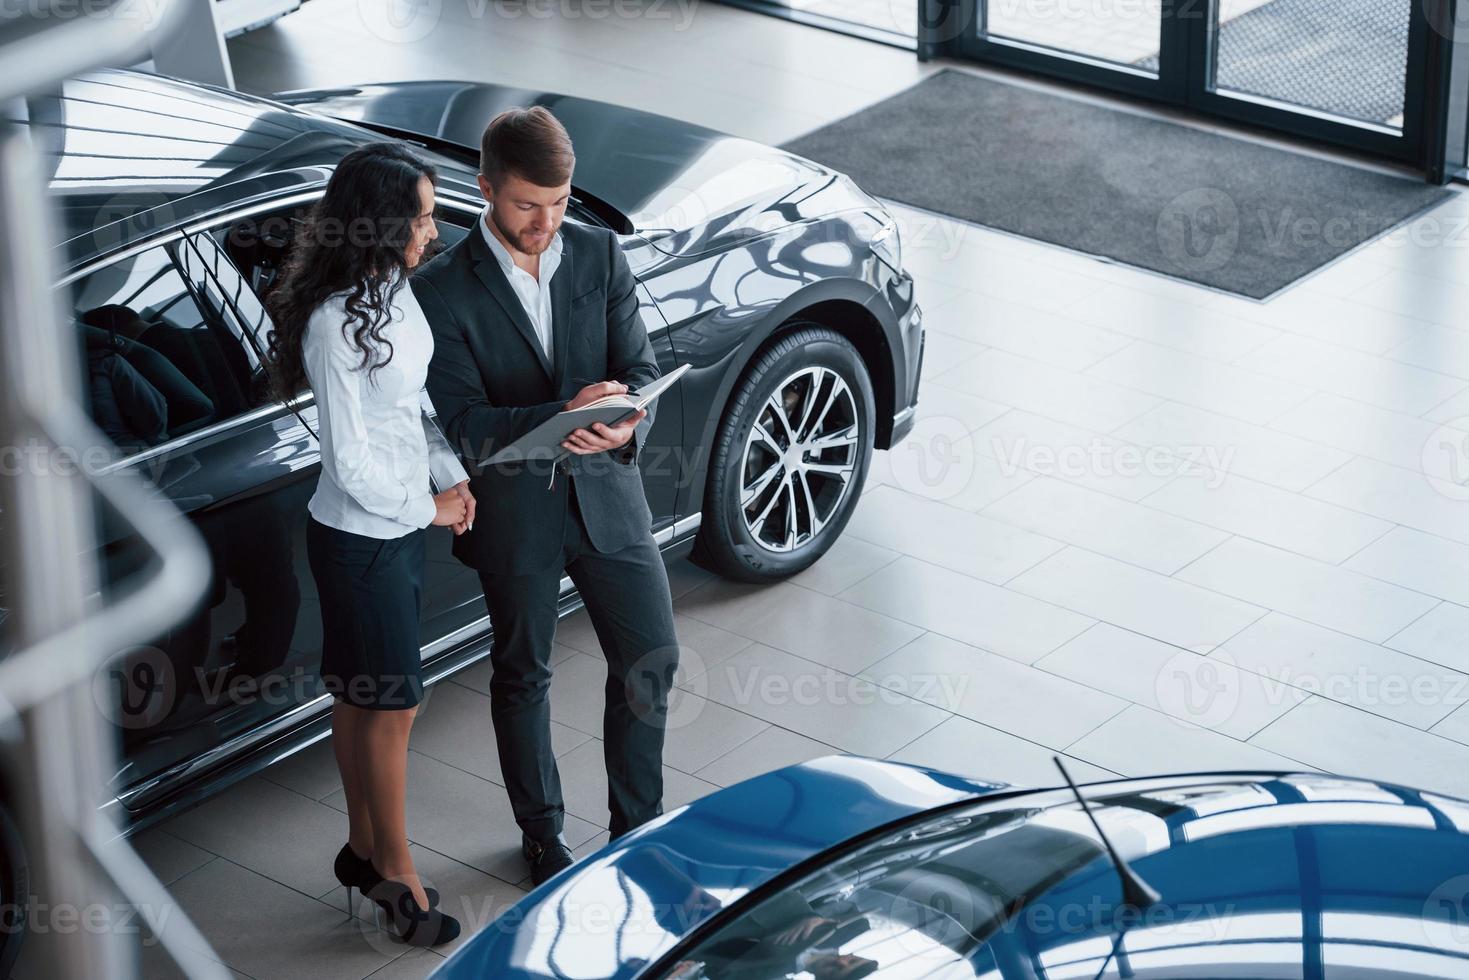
591	393
600	437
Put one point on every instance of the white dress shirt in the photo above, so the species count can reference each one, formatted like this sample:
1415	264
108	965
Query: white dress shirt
534	294
379	446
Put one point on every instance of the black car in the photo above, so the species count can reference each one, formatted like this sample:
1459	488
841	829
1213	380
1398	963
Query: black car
777	281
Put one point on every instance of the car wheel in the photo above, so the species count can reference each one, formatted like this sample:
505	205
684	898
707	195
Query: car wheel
14	892
789	458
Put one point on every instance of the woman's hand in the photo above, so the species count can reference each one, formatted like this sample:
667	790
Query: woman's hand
462	488
450	508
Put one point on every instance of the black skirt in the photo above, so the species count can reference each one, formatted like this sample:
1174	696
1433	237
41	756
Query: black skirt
370	590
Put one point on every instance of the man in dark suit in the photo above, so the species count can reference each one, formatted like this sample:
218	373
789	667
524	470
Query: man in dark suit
525	312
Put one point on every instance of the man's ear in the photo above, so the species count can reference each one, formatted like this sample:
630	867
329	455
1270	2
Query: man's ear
486	190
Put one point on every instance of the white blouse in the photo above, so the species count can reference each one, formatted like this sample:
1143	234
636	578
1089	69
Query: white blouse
379	445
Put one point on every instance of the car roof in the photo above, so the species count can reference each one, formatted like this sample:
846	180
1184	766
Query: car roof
128	154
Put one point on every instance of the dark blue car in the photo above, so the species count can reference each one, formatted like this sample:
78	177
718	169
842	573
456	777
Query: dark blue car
846	867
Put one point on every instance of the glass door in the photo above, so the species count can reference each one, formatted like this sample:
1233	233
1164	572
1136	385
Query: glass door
1348	72
1124	45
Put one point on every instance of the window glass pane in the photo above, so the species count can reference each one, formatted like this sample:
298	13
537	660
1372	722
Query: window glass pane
1347	58
1125	32
160	359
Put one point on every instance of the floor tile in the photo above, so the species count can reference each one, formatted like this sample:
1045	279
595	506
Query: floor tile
1310	313
1044	390
1268	514
416	964
847	562
1033	445
1455	727
1352	374
966	410
1013	697
957	539
774	748
1200	382
1210	692
1021	329
265	929
1098	522
311	772
852	714
699	731
1338	667
997	619
1144	742
1145	602
939	462
1441	636
1159	320
1399	495
1336	738
1419	561
1250	450
1307	589
1361	429
304	835
167	856
799	621
967	748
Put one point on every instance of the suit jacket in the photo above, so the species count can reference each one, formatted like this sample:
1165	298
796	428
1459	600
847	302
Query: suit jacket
491	382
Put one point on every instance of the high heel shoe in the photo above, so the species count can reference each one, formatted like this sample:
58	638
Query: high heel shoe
355	872
415	926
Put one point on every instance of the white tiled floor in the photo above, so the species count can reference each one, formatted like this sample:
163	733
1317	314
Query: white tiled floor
1145	525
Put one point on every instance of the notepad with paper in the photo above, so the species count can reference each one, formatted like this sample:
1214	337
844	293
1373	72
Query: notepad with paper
544	441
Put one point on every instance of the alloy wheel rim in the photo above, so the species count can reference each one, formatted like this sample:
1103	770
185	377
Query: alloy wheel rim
800	459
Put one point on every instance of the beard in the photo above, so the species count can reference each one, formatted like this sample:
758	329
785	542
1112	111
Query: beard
522	244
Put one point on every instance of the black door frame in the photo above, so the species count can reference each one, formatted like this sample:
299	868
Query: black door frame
950	28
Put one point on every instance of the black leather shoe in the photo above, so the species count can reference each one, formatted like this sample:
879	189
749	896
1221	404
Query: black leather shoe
545	857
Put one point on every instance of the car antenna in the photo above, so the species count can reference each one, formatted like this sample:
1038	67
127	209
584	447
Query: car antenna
1135	892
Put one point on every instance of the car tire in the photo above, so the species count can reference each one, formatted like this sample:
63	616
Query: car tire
771	511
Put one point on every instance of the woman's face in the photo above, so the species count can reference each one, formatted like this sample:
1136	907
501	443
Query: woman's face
423	230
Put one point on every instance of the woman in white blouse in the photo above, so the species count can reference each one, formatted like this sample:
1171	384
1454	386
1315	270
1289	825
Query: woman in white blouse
347	325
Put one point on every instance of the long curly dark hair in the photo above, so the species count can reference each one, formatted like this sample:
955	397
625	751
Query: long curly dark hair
355	239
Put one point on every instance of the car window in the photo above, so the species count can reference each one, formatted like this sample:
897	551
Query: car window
931	898
161	359
222	283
